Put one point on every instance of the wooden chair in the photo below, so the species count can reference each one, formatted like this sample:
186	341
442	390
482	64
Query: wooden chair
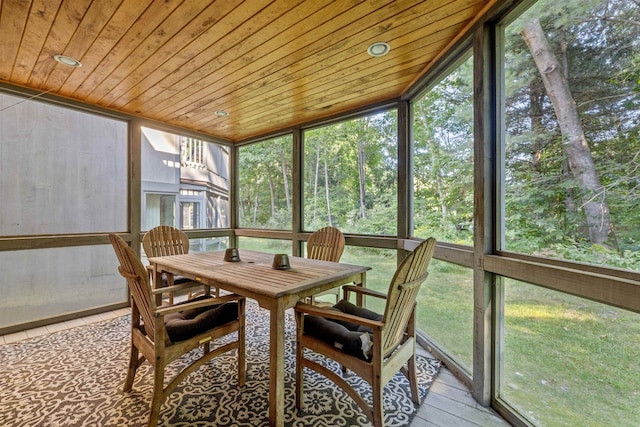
393	336
326	244
165	240
163	334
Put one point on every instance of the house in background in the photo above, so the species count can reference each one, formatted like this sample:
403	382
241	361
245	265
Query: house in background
185	182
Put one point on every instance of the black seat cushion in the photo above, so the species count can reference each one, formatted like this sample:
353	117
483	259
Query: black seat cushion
189	323
350	338
177	280
349	308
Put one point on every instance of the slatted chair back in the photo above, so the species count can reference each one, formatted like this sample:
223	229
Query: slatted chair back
165	240
131	268
326	244
403	292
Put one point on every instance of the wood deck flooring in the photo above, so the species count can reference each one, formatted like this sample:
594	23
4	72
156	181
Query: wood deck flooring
448	404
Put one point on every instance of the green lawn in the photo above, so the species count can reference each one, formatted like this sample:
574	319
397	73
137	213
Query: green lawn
569	361
566	361
445	310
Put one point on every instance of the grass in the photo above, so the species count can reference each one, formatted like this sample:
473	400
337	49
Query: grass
569	361
566	361
272	246
445	310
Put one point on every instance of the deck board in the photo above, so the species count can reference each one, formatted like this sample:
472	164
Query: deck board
449	404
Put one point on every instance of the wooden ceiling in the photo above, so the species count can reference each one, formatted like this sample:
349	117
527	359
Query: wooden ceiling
270	64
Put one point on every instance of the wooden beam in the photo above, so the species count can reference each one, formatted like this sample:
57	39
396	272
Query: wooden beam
234	192
484	210
405	172
135	184
619	292
297	193
55	241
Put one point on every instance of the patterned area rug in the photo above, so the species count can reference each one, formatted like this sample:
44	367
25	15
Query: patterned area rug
75	378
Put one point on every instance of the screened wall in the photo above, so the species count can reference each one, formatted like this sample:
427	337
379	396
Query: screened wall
62	173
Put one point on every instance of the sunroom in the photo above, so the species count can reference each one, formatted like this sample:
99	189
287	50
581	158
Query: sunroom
507	130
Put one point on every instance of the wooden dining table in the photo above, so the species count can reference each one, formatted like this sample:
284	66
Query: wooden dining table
275	290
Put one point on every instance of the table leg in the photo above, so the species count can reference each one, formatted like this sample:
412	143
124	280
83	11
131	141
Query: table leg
276	364
157	282
363	283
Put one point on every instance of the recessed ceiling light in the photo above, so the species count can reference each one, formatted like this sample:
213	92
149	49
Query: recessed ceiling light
67	60
221	113
379	49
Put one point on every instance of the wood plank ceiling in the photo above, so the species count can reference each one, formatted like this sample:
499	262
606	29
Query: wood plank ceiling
270	64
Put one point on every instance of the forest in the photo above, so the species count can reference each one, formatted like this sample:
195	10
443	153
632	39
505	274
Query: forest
571	147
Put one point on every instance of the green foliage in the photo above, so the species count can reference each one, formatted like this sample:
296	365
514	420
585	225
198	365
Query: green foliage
263	198
599	44
443	159
597	254
350	175
377	219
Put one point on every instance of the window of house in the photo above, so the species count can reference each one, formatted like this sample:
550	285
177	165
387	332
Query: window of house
190	218
41	283
62	171
185	182
160	209
570	191
568	361
442	140
445	311
192	152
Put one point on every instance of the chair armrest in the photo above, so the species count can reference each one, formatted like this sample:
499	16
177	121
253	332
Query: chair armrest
363	291
161	311
336	315
181	286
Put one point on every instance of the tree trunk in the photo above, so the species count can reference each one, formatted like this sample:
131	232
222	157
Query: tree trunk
285	179
255	210
574	142
362	155
326	189
315	182
537	143
438	175
436	170
570	198
272	194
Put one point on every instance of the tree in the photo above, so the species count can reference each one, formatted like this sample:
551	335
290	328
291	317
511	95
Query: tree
575	144
265	173
443	158
353	163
